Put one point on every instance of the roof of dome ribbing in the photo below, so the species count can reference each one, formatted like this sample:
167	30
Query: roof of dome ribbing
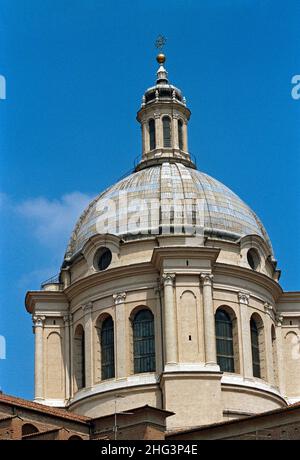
224	214
166	194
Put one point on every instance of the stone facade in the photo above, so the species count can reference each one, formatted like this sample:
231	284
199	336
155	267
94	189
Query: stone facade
183	279
183	303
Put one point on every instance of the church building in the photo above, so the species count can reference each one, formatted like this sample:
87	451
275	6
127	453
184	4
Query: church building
168	297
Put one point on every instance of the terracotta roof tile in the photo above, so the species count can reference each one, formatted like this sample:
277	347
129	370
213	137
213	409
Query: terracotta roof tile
47	410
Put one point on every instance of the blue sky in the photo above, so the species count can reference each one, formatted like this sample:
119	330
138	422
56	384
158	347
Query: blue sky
76	71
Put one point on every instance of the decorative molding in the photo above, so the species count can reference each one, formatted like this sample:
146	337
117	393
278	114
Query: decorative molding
188	291
206	278
244	297
269	309
160	254
35	297
238	380
138	380
258	279
38	320
168	278
201	367
114	274
68	318
87	307
279	320
156	115
119	297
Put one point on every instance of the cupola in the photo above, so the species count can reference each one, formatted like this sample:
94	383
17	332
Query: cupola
164	117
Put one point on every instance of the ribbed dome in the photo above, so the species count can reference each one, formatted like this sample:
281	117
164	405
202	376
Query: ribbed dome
225	215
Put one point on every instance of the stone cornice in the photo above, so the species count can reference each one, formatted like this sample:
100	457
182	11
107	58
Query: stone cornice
290	296
252	387
177	252
32	297
161	106
250	275
112	274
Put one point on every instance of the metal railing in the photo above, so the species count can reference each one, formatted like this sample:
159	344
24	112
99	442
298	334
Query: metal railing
53	280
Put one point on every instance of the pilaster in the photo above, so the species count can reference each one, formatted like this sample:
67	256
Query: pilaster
88	344
120	335
38	322
171	352
244	297
209	321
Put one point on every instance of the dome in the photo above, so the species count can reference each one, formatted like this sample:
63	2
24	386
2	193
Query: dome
123	209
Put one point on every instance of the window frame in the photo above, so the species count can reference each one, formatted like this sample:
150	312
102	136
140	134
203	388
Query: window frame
224	335
152	134
180	133
143	345
167	131
79	374
107	364
255	348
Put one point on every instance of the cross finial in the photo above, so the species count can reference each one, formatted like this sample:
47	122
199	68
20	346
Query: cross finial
160	42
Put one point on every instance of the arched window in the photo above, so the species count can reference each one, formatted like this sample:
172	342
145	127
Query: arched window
143	342
79	357
152	136
180	134
107	349
28	428
274	355
167	131
255	348
224	341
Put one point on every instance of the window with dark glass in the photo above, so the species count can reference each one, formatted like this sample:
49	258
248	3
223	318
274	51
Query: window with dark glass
103	259
167	131
143	342
107	349
152	134
253	258
180	134
79	357
224	341
255	348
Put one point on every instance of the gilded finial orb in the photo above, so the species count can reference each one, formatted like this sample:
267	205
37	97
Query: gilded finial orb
161	58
